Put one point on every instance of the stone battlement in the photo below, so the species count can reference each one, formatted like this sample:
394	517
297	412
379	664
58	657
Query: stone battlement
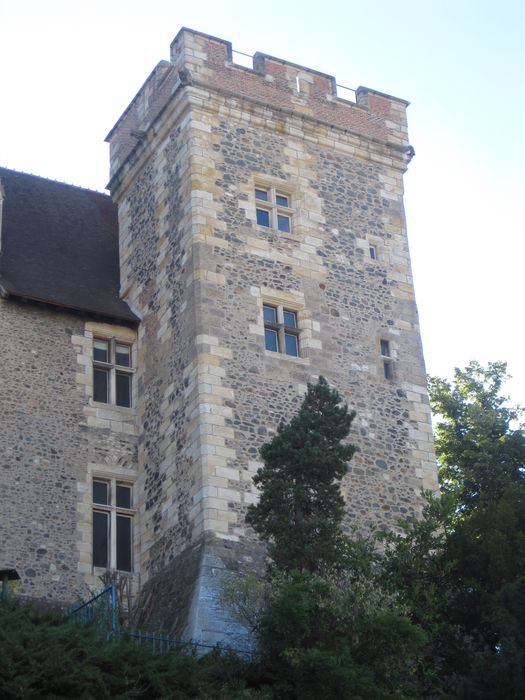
282	84
207	62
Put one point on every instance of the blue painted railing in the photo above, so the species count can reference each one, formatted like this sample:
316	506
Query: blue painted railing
101	610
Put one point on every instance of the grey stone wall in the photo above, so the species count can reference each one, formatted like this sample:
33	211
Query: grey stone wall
45	448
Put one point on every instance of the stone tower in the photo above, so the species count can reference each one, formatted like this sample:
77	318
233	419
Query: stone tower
262	243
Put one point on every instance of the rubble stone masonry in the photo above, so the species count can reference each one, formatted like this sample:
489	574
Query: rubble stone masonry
53	438
186	158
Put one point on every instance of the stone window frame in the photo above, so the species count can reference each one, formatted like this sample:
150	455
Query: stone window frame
114	369
309	329
113	511
387	357
281	328
277	212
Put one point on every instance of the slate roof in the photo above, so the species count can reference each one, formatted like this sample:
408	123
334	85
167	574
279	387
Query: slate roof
59	245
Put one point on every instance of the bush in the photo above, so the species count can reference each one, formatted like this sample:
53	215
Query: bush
44	655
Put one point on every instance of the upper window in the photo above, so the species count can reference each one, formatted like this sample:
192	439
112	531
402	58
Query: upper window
372	250
281	333
273	209
112	372
112	524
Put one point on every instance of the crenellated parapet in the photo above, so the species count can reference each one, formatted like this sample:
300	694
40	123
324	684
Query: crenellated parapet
207	62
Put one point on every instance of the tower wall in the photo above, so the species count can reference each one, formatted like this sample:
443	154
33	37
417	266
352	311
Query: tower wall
187	156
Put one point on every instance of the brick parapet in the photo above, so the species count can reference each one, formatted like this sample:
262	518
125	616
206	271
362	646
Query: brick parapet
203	61
283	84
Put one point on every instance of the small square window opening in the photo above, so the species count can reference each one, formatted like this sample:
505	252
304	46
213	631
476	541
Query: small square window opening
281	333
273	209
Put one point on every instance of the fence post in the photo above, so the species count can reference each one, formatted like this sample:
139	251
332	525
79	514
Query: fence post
113	608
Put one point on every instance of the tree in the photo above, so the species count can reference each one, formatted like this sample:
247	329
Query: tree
462	567
301	507
328	629
338	636
479	451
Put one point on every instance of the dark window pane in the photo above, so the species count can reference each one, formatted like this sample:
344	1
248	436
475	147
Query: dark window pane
270	314
373	252
385	348
263	217
290	319
123	496
123	355
291	344
282	200
261	194
283	223
100	384
100	539
101	492
388	369
123	543
270	340
123	389
101	350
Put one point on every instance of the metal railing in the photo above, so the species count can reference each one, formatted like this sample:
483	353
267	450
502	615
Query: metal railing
102	611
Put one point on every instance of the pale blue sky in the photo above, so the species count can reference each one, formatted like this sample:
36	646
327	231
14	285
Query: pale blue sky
70	68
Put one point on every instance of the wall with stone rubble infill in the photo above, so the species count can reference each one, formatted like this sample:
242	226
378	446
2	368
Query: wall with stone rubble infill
200	268
51	442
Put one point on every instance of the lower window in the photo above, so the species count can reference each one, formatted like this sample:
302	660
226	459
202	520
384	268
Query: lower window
113	524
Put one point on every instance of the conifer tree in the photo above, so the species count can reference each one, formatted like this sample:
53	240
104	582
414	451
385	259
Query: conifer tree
301	507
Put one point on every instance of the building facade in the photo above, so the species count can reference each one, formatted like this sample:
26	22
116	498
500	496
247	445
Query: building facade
261	243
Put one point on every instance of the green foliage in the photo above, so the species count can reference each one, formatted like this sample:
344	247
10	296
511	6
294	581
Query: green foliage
45	656
337	637
301	507
479	451
329	628
461	568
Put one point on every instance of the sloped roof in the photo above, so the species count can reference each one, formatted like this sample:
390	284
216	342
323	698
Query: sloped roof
59	245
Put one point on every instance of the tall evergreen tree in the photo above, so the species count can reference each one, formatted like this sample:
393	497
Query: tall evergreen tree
301	507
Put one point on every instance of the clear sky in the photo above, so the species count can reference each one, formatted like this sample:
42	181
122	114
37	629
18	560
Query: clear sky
69	69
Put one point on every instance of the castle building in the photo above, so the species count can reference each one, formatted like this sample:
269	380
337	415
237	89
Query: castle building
152	341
